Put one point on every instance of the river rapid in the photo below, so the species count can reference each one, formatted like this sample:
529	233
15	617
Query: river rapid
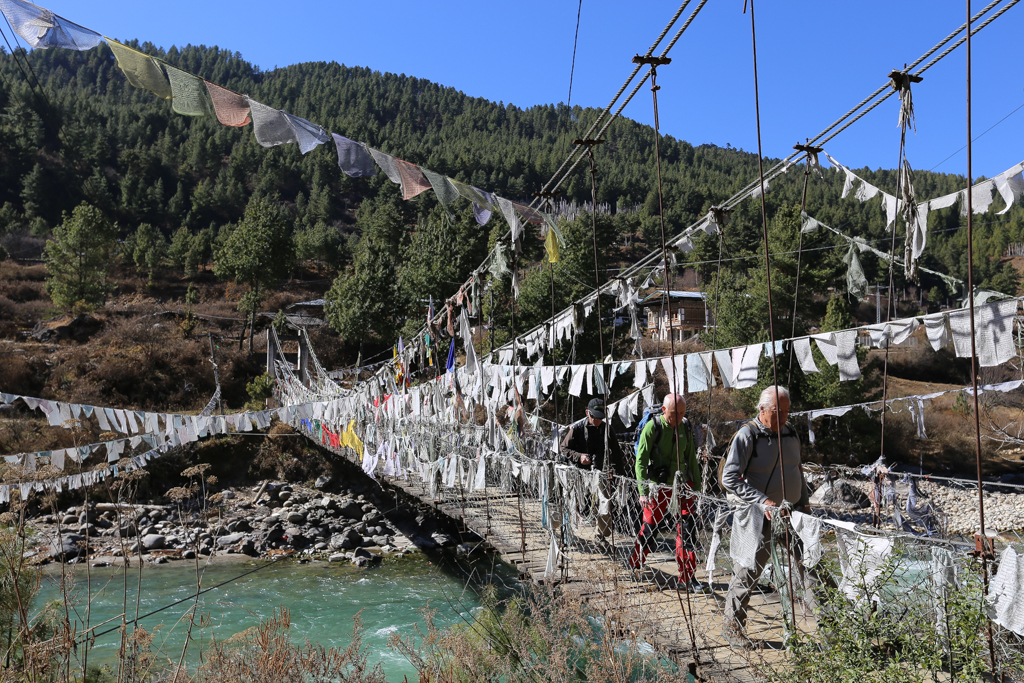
323	598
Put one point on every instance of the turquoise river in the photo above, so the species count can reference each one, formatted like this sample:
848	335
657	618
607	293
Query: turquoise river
322	597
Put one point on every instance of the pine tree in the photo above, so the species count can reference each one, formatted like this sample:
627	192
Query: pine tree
148	247
257	253
78	258
368	303
181	243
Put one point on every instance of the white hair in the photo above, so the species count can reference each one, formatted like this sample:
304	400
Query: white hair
767	399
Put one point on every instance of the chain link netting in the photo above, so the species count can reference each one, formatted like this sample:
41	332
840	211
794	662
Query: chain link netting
901	559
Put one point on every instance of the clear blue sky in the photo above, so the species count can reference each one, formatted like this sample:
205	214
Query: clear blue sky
817	58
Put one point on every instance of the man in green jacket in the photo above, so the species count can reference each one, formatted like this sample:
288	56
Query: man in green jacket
667	444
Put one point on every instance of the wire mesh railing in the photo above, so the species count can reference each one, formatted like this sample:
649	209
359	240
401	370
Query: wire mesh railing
881	553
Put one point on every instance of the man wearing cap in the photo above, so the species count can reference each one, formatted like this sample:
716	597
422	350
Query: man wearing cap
584	446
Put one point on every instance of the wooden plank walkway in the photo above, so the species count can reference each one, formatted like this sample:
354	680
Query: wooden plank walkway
640	603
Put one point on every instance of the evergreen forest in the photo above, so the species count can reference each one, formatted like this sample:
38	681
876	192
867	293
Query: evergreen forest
172	192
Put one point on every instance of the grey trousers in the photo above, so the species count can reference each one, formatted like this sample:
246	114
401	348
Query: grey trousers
744	580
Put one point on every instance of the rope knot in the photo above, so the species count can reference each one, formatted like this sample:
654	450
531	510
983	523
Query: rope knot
900	82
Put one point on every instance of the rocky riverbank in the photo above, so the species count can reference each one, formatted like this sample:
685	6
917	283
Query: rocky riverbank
1004	512
954	508
270	520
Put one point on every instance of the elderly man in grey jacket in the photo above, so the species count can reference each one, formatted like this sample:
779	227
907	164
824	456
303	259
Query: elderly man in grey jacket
754	473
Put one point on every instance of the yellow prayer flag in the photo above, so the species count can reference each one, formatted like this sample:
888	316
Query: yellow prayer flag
352	440
551	245
141	70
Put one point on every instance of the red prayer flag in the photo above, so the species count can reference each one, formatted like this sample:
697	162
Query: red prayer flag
413	180
231	108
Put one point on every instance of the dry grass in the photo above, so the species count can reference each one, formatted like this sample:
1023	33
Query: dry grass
10	270
266	654
541	635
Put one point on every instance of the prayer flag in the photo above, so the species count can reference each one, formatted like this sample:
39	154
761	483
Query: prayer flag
190	97
40	27
387	164
353	159
141	70
473	194
511	217
270	125
551	246
413	181
481	214
309	135
232	109
483	202
443	188
530	214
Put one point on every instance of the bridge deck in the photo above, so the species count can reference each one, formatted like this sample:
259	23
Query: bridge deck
646	602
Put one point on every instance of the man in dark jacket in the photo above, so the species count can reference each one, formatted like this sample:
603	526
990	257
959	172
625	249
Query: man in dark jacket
584	445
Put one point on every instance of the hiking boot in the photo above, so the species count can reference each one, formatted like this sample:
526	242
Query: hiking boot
695	586
736	636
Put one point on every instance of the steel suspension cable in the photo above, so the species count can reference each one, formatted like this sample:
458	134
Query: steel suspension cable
782	166
714	345
575	42
185	599
576	152
930	64
799	258
618	111
771	319
688	612
903	181
618	94
593	235
46	110
974	351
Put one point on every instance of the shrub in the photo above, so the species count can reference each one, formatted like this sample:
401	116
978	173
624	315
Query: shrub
540	635
896	633
266	654
260	389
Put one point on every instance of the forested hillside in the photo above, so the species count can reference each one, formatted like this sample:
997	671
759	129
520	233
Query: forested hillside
175	187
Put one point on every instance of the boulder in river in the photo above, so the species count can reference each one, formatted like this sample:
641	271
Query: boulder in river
66	547
153	541
367	560
230	539
347	540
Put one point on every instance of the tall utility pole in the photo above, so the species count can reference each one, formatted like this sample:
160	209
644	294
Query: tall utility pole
878	301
